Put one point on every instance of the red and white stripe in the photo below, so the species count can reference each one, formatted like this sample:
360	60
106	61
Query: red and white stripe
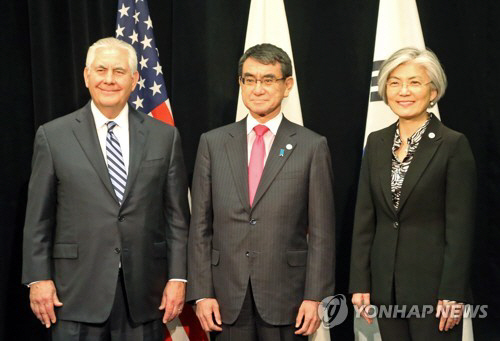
163	112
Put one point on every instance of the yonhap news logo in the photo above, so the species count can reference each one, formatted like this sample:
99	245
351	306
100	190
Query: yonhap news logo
333	311
396	311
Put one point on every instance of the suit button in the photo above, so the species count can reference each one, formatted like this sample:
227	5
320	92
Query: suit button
121	218
396	224
247	254
253	221
117	250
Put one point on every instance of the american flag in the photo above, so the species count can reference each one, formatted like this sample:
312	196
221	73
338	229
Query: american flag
134	26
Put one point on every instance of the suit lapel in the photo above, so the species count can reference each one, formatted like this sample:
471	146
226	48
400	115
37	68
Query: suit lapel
138	136
284	138
237	154
425	151
86	134
384	160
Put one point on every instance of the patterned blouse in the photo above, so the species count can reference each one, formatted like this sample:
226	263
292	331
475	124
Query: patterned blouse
399	168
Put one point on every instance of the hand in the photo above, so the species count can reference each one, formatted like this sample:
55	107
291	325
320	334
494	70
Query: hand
43	298
361	302
173	300
308	317
450	313
206	310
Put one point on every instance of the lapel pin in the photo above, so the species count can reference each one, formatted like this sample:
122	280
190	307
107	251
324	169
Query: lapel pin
289	146
432	135
282	152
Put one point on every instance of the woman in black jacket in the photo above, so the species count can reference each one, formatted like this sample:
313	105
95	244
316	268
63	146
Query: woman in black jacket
414	219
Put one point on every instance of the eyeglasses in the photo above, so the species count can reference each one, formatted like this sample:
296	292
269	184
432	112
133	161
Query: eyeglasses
413	85
266	81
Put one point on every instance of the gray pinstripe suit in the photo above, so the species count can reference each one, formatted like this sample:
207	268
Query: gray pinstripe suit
231	243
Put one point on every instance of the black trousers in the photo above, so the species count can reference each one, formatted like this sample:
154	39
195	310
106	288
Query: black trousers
249	326
416	329
118	327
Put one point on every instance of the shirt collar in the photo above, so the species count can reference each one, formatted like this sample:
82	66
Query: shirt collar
273	124
101	120
413	139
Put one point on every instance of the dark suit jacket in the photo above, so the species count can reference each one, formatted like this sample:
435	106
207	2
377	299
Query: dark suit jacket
231	243
424	247
76	233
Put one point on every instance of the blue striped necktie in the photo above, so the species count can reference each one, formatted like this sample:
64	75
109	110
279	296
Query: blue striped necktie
116	166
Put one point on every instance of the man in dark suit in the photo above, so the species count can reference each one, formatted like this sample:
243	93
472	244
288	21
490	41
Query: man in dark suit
261	243
106	226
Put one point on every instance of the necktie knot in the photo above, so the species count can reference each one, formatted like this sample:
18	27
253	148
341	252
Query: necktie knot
260	129
111	125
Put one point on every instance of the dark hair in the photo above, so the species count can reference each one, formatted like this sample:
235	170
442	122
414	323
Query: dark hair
267	54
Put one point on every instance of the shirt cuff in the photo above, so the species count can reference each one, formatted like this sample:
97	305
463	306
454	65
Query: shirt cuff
178	280
451	302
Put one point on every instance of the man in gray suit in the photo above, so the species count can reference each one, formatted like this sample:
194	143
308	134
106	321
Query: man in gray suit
106	228
261	242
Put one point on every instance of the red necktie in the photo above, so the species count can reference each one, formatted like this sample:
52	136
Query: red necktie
257	157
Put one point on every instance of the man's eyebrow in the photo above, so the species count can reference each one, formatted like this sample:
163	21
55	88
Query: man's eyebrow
269	75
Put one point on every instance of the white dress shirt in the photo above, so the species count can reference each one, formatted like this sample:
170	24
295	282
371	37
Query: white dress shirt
121	131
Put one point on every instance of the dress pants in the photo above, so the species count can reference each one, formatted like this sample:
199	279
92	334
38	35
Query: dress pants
416	329
249	326
118	327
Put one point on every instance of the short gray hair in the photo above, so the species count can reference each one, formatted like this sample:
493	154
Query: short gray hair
267	54
426	58
111	42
